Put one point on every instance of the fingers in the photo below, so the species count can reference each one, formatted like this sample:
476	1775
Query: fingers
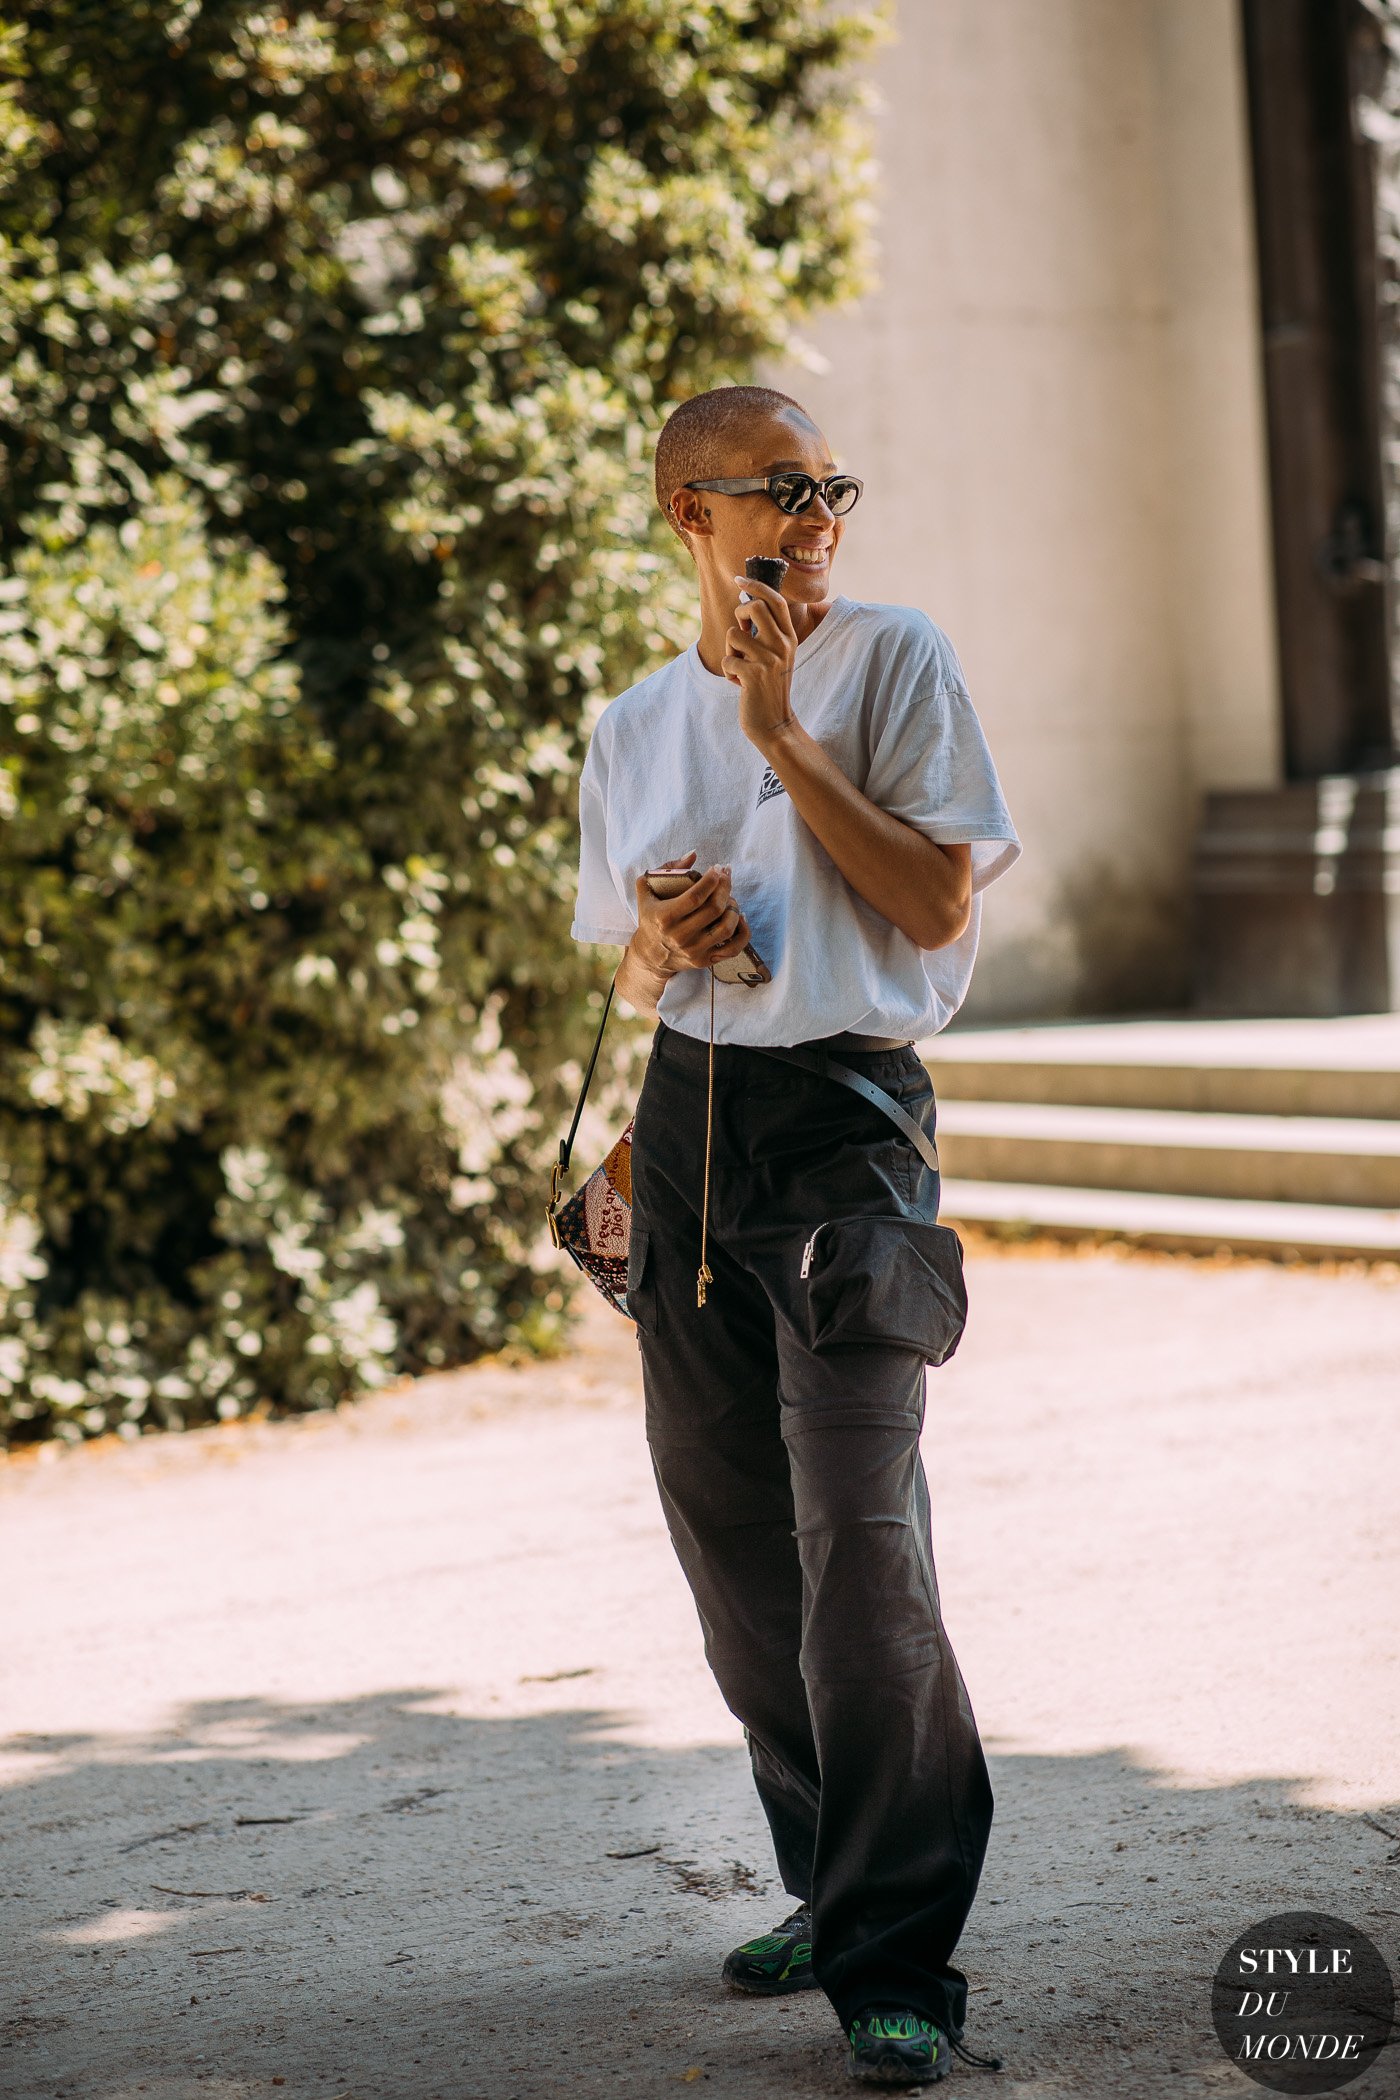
736	941
759	618
728	936
719	923
700	905
713	926
664	913
763	593
764	599
768	630
703	925
769	645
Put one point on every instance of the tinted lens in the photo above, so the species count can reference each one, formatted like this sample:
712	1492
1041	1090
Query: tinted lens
842	492
792	492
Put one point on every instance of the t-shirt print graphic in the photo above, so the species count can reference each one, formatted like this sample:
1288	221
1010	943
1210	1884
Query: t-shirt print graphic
769	785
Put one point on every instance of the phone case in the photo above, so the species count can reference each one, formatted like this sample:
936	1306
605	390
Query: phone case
745	968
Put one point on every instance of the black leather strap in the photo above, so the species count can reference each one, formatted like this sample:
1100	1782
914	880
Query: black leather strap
566	1144
818	1061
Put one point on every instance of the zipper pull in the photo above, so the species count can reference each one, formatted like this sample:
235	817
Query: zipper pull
807	1254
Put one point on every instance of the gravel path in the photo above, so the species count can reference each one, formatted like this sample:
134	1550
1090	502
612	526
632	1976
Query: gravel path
373	1757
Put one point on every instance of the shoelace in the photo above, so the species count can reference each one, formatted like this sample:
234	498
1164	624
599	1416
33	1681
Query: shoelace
970	2056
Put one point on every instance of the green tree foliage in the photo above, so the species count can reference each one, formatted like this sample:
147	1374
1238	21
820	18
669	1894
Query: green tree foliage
331	346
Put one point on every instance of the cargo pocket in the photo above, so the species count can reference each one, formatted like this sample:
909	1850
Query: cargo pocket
641	1277
893	1280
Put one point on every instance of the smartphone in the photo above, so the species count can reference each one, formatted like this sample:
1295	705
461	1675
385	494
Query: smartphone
745	968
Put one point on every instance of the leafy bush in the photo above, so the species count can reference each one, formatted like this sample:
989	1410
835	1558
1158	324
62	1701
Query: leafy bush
331	344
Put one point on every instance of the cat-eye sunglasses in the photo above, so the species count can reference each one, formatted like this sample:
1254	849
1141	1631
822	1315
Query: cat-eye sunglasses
792	491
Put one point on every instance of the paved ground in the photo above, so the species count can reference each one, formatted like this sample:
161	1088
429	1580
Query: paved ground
375	1756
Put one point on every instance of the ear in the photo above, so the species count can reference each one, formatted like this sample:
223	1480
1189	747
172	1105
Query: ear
691	513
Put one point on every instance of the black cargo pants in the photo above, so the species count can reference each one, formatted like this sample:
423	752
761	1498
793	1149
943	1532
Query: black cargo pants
798	1506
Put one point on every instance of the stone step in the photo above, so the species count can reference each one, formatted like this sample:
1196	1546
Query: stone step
1248	1158
1189	1222
1348	1067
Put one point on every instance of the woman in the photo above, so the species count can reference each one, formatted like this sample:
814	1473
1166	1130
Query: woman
822	762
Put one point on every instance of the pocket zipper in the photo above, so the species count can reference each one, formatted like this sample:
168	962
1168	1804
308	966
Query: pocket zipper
807	1251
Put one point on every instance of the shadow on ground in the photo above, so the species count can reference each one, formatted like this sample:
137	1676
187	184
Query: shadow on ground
382	1899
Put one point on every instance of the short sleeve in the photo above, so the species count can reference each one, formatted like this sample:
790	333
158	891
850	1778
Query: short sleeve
600	913
930	765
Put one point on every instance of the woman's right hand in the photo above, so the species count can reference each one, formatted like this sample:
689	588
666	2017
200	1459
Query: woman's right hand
690	932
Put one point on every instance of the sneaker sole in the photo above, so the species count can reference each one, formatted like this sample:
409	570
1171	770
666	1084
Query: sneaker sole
758	1987
893	2072
898	2074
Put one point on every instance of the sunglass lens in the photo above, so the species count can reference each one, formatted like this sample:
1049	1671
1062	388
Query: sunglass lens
792	492
841	494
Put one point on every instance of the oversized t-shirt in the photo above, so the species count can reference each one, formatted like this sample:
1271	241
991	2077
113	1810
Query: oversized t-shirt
669	768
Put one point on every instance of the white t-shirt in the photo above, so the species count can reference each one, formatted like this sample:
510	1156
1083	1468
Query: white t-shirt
668	768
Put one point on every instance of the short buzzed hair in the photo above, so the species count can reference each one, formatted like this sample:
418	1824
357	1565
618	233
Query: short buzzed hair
694	434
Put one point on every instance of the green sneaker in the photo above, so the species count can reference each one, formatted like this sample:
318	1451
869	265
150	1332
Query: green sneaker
890	2045
777	1961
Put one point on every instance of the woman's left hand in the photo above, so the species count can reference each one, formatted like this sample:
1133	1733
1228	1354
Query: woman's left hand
760	664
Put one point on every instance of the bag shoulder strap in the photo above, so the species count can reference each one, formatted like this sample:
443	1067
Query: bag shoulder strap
821	1061
566	1144
561	1165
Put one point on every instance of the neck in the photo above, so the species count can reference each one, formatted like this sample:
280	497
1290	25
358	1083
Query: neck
718	596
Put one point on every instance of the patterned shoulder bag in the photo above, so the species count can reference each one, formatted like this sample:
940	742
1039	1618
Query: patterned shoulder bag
594	1227
595	1224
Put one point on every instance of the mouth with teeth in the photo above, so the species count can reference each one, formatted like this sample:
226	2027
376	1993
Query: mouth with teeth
807	557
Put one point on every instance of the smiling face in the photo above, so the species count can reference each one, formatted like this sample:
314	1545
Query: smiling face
723	531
